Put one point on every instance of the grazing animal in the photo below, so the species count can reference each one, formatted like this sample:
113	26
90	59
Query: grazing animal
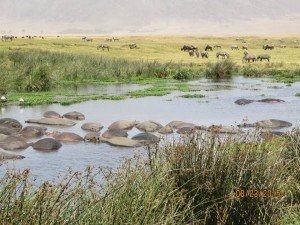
109	39
116	39
191	53
245	47
189	48
83	38
197	54
132	45
222	54
282	46
89	40
103	46
204	54
264	57
7	37
208	48
217	46
234	47
249	57
268	47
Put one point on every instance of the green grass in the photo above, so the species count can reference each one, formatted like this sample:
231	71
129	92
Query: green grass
297	94
193	181
192	96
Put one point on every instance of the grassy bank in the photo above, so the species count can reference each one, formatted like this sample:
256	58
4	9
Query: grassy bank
196	181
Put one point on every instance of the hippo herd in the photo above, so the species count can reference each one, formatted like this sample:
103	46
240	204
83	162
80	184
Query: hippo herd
13	136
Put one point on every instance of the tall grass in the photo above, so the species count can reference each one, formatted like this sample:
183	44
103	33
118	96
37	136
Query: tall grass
220	70
192	181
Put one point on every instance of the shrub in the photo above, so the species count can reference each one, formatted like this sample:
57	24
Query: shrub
182	74
249	71
220	70
38	79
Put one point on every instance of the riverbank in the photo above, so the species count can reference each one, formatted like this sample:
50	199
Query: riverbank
199	180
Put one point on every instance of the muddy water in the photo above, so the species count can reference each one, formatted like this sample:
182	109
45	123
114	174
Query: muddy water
216	108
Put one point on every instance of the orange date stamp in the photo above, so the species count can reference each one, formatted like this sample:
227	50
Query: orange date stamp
256	193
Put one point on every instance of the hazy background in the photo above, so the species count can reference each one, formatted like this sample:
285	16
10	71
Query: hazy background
204	17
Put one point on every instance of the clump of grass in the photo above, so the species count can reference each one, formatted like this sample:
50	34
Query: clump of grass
152	91
192	96
297	94
220	70
249	71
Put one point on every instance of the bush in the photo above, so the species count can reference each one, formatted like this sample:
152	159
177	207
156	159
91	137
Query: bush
183	74
220	70
251	72
38	79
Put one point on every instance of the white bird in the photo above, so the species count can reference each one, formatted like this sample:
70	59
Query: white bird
3	99
21	101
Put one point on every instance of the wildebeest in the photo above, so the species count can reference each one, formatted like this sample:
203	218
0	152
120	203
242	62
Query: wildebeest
7	37
132	45
223	54
191	53
234	47
103	46
249	57
83	38
245	47
204	54
109	39
217	46
89	39
188	48
264	57
268	46
282	46
208	48
116	39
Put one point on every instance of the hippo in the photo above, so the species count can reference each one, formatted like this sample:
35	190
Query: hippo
223	129
186	130
271	100
149	126
123	124
165	130
243	101
92	137
7	156
7	131
93	127
114	132
182	125
32	131
268	124
122	142
11	124
175	124
13	143
3	136
47	144
53	122
74	116
51	114
146	138
68	137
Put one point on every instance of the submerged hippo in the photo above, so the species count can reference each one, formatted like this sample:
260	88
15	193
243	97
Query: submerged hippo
11	124
68	137
93	127
74	116
223	129
92	137
114	132
33	131
165	130
149	126
174	124
123	124
146	138
185	125
186	130
14	143
7	156
53	122
271	100
47	144
268	124
7	131
243	101
122	142
51	114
